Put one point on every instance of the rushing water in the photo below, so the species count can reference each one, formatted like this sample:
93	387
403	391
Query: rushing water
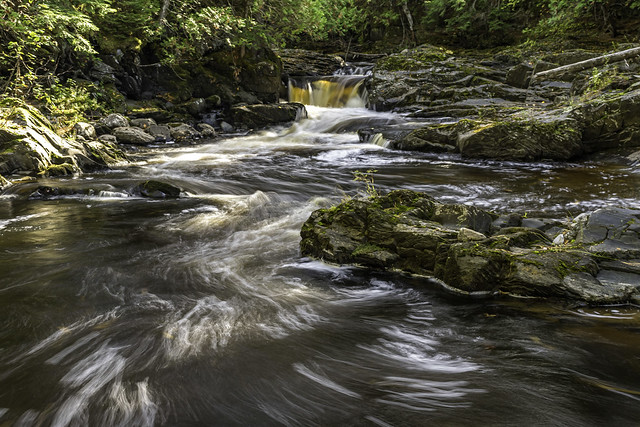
118	310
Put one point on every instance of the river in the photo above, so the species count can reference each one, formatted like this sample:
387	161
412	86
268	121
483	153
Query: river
121	310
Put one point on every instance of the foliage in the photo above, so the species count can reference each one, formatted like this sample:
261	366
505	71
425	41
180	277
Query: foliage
368	178
46	45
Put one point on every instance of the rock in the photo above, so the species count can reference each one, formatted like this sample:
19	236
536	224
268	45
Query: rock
30	146
144	123
226	127
161	133
47	192
194	107
157	190
102	72
85	130
158	115
183	132
458	216
262	115
207	131
132	135
113	121
624	278
585	287
524	138
520	75
108	138
611	121
468	235
299	62
412	232
433	139
101	129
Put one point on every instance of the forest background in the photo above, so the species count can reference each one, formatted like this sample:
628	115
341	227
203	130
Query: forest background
45	44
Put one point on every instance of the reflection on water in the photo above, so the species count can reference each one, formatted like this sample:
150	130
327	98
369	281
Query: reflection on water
118	310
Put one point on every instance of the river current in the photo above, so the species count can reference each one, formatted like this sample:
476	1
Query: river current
121	310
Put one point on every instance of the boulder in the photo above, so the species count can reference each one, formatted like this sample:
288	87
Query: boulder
551	137
262	115
85	130
108	138
411	232
132	135
161	133
184	132
157	190
520	75
113	121
144	123
226	127
206	130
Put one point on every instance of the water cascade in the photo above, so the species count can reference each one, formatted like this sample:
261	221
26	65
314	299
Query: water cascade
329	91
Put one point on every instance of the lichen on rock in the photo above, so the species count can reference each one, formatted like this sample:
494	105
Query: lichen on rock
463	247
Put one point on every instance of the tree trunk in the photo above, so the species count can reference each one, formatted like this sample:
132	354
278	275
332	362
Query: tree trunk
163	11
589	63
407	13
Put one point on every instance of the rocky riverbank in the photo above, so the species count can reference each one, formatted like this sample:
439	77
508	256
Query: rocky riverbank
29	146
593	258
487	106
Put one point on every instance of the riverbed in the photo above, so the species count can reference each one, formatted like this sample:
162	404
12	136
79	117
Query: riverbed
123	310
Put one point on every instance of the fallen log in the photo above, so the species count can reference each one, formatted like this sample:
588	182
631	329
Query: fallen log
589	63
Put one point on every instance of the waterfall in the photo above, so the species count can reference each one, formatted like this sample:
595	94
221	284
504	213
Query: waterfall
329	91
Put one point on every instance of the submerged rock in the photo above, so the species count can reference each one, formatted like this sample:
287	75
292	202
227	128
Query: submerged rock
458	244
157	190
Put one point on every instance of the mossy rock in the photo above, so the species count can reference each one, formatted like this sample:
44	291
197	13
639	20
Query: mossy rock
411	232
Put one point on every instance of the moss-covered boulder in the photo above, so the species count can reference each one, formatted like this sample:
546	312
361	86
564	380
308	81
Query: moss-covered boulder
553	137
460	245
28	145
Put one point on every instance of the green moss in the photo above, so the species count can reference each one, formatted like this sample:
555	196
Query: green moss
58	170
413	60
366	248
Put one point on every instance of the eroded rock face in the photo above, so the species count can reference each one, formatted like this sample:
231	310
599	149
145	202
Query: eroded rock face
29	145
300	62
460	245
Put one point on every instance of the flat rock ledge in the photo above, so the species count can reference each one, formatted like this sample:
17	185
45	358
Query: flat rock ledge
473	252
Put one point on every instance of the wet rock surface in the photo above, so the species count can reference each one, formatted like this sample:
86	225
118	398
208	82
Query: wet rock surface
466	248
28	145
262	115
506	114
